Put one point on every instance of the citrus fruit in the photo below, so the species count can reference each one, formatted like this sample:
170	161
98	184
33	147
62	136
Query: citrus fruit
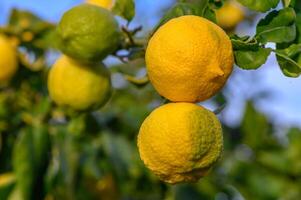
88	33
180	142
8	60
108	4
229	15
79	86
189	59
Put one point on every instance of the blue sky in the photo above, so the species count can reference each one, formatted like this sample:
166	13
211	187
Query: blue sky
283	106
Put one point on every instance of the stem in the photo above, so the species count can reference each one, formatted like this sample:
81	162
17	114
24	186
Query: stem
129	34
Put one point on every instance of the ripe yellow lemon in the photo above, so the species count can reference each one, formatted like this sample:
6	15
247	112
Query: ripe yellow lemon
108	4
8	60
180	142
229	15
79	86
189	59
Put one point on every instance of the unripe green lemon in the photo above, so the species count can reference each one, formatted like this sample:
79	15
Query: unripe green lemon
88	33
8	60
79	86
180	142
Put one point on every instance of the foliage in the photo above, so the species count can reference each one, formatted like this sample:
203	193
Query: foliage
55	153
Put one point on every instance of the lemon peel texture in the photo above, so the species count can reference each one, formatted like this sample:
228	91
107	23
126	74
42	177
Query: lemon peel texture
189	59
180	142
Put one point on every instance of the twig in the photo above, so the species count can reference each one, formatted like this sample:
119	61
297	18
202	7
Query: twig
130	33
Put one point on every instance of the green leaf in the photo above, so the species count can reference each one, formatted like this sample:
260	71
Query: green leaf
244	43
215	4
23	163
7	183
15	194
251	59
125	9
20	20
180	9
121	154
296	4
289	60
277	26
289	55
248	53
47	40
63	172
298	25
77	124
41	143
259	5
275	160
294	152
254	127
30	159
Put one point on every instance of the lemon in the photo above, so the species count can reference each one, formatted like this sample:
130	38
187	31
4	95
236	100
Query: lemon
180	142
79	86
8	60
108	4
88	33
189	59
229	15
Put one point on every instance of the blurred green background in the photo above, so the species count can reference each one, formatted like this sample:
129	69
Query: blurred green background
46	154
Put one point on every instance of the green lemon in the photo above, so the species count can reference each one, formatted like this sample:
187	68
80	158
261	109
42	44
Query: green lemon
88	33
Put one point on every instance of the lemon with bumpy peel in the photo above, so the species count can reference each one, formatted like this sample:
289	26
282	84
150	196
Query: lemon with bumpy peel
230	15
79	86
189	59
180	142
108	4
8	60
88	33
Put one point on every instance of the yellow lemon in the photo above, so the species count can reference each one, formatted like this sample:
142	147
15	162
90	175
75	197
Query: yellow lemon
229	15
189	59
180	142
79	86
108	4
8	60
